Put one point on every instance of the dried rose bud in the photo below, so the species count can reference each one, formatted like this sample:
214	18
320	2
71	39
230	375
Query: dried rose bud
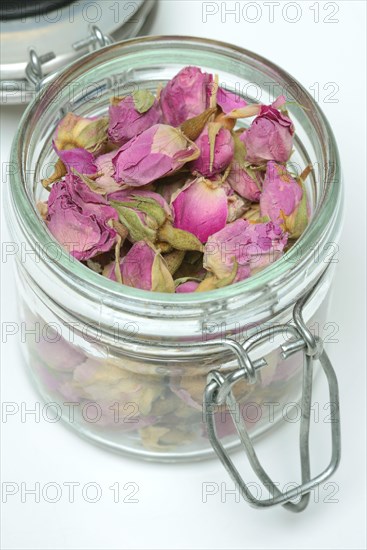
141	212
105	171
78	140
80	160
228	101
246	181
216	150
109	271
252	246
78	132
147	216
255	108
148	200
132	115
143	267
270	136
269	241
237	206
83	192
178	238
186	95
140	227
159	151
186	285
201	208
80	219
224	248
284	200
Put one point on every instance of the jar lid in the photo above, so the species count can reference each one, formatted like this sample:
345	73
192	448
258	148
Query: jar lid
41	37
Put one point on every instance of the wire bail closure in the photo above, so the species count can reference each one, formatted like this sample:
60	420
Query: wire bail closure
34	70
219	391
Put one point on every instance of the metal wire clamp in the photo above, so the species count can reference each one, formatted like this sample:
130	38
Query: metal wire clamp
34	69
219	391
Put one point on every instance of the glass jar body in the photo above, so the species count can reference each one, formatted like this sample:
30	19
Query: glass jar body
153	407
127	368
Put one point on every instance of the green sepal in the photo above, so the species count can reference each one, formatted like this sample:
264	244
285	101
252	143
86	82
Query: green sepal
178	238
94	135
143	100
130	219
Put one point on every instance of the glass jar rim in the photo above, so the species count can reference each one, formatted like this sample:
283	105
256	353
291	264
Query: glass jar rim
87	279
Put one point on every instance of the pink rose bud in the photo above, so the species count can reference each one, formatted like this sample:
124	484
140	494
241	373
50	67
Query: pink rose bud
284	200
87	133
80	219
254	109
110	269
106	169
78	140
186	95
268	240
228	101
201	208
147	216
138	225
216	150
141	212
270	136
246	181
133	115
159	151
186	287
133	195
237	206
143	267
80	160
252	246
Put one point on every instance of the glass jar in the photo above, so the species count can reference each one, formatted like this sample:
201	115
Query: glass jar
128	368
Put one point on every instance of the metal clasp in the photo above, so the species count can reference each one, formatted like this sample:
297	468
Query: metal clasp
34	70
219	391
96	39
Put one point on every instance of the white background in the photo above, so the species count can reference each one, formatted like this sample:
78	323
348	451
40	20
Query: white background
171	512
